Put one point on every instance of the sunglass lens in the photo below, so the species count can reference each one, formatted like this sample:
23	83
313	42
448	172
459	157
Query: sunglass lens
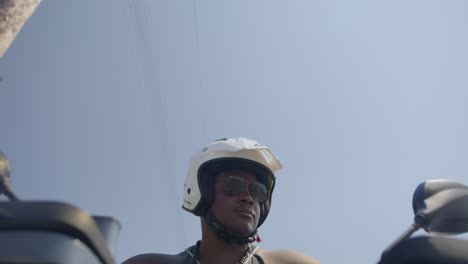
233	186
258	191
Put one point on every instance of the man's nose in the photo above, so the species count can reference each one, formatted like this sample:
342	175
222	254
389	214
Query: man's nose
245	196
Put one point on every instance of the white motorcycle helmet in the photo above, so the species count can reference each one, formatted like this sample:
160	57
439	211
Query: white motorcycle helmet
225	154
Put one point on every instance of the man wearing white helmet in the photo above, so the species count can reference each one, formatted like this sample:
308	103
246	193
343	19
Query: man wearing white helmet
229	185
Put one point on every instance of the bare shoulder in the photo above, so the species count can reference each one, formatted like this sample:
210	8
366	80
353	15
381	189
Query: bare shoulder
285	257
153	258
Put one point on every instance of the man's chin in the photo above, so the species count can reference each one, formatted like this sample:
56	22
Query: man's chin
242	231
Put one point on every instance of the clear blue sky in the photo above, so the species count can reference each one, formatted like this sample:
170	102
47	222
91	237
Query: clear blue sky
104	102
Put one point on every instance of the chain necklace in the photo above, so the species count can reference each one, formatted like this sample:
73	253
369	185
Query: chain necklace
247	253
245	258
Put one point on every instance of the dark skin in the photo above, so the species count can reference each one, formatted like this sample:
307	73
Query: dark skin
240	215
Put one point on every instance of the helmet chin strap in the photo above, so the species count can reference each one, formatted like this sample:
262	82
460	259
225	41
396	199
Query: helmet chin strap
220	230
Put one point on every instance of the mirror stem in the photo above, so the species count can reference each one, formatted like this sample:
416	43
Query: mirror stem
413	228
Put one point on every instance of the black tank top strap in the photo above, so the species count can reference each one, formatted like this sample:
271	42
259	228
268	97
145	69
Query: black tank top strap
257	259
186	257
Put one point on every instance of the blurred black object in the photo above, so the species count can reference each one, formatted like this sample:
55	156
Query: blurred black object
428	250
51	232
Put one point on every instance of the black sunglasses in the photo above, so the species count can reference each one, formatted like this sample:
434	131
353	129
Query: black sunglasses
235	185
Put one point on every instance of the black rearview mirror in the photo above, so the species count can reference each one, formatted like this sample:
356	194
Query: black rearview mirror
440	206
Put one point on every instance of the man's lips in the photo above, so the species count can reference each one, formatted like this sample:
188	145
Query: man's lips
245	212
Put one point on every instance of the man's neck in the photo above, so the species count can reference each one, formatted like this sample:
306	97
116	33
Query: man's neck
214	250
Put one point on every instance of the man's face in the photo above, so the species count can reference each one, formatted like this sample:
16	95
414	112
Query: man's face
239	213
